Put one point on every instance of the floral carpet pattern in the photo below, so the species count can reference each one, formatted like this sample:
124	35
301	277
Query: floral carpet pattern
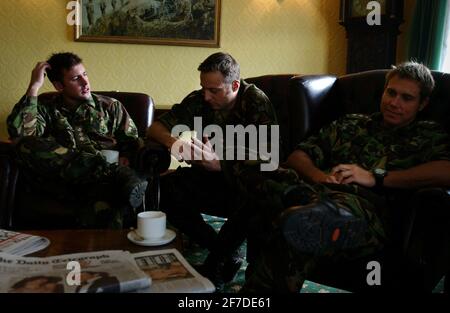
196	255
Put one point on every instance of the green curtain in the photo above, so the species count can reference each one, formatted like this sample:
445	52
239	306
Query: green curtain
427	32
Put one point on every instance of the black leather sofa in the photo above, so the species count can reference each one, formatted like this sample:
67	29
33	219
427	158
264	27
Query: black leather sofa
304	104
420	253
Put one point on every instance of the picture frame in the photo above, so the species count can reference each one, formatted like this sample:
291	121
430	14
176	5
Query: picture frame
156	22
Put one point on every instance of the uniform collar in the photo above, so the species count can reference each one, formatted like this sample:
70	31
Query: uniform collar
89	102
237	108
377	119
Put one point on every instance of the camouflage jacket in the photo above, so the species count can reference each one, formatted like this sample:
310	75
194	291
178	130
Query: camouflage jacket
98	123
360	139
252	107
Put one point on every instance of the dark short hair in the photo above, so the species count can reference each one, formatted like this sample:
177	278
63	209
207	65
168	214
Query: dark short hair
414	71
59	62
224	63
23	282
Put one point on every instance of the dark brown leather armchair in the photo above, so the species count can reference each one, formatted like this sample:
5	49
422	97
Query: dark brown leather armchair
420	253
276	87
23	208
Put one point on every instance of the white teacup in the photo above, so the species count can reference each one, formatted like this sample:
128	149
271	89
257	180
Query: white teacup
151	224
112	156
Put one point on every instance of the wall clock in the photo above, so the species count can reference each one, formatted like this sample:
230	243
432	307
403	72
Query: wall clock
370	46
358	8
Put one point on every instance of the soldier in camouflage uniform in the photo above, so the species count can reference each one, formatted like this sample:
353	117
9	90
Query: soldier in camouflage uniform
209	185
340	210
59	140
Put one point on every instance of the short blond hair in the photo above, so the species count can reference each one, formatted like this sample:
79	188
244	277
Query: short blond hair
414	71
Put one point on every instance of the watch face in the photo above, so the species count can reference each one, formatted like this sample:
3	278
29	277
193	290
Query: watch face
379	172
358	8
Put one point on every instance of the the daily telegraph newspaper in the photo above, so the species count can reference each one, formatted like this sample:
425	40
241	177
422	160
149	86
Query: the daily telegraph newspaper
20	243
170	273
93	272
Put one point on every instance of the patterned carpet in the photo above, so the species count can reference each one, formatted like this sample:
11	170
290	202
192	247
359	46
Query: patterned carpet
195	256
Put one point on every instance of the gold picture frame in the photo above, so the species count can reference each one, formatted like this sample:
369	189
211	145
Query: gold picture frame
156	22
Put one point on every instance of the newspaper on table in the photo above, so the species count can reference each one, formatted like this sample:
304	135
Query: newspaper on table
21	244
93	272
170	273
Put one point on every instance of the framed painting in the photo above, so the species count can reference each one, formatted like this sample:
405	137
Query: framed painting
158	22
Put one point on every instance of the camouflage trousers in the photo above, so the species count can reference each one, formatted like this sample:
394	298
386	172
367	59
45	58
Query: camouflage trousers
190	191
274	267
72	175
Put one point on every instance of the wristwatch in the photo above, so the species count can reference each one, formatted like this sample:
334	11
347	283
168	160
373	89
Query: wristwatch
379	175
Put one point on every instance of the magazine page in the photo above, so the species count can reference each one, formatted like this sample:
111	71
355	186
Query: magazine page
21	244
170	273
94	272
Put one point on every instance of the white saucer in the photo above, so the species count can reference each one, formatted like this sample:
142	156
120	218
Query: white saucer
168	237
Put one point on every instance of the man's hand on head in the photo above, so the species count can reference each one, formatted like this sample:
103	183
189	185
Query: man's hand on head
352	173
37	78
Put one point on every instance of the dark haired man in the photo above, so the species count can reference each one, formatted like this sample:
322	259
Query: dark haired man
59	141
39	284
209	186
340	210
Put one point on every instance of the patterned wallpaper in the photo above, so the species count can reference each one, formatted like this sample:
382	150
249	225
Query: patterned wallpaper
266	37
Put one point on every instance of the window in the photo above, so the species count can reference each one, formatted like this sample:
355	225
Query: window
445	56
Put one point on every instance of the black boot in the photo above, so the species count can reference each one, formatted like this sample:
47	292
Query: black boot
275	270
132	187
221	270
320	227
296	195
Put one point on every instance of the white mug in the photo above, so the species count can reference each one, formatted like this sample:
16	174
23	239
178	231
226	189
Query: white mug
151	224
112	156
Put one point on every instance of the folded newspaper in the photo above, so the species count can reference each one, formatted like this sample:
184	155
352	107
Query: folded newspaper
104	271
20	243
93	272
171	273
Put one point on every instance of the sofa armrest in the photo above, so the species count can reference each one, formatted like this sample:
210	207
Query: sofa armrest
427	233
6	147
310	104
152	159
424	206
8	181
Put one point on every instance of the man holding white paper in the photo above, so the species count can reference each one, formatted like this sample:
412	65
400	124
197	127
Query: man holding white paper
210	185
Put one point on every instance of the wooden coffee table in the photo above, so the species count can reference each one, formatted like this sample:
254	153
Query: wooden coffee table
88	240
